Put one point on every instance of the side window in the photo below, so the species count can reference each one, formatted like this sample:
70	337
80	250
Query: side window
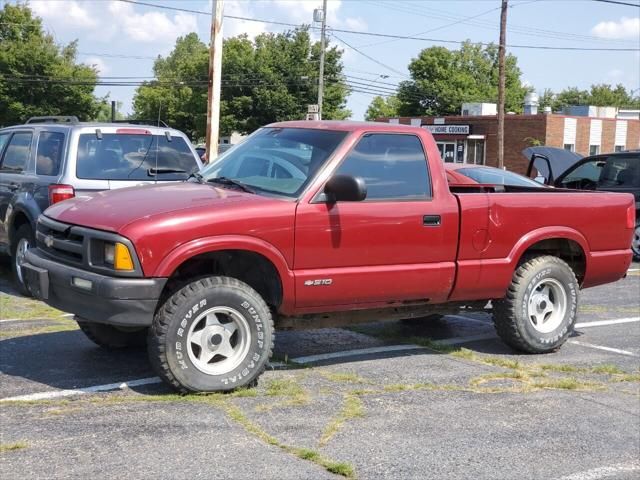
4	138
393	166
16	156
622	172
49	153
585	176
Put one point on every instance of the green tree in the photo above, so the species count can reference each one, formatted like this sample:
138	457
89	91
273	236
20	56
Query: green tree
38	77
383	107
442	80
601	95
103	113
271	78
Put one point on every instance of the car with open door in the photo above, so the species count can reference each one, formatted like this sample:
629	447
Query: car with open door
608	172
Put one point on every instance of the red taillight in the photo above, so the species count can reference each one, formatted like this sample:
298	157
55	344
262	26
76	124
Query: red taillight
58	193
631	216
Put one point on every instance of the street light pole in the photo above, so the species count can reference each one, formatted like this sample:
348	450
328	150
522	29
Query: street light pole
322	47
501	81
215	77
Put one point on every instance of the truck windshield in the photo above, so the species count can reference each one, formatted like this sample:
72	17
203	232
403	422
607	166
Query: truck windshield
117	156
281	161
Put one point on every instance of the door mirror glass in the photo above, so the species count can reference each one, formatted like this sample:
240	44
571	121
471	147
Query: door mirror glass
345	188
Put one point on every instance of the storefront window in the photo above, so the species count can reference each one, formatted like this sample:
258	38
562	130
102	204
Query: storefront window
475	151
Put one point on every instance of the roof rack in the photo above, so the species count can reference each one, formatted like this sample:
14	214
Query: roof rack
151	123
54	119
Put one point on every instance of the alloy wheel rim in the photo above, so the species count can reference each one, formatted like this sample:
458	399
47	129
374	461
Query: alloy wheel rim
635	243
547	305
21	251
218	340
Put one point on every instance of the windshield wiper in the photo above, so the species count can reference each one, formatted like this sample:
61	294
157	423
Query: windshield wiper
197	175
155	171
229	182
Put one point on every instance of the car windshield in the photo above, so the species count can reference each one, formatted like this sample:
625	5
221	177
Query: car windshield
116	156
279	161
495	176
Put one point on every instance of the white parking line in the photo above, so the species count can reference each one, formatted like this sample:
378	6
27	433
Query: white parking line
604	323
606	349
82	391
603	472
386	349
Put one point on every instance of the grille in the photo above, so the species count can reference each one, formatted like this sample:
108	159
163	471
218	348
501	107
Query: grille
60	240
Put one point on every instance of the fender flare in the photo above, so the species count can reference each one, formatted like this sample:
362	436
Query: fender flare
548	233
20	207
188	250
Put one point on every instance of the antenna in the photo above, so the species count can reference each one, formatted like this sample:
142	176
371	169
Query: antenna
159	110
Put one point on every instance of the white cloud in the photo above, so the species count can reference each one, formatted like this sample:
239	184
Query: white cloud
150	27
233	27
68	13
625	28
98	64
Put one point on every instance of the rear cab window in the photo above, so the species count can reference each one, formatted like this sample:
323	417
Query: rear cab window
126	156
393	166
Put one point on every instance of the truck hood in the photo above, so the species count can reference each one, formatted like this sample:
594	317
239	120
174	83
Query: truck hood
113	210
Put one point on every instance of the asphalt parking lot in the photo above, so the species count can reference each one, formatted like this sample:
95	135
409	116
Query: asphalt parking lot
441	398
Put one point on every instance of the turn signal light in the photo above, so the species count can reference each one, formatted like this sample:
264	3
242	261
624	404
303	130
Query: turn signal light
122	258
631	216
58	193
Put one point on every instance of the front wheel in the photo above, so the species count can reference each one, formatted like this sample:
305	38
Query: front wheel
635	243
23	241
215	334
539	311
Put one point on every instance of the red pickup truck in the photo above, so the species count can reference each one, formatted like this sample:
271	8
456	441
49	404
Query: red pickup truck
306	223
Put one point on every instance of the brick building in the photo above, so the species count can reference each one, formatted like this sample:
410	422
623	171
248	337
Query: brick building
473	139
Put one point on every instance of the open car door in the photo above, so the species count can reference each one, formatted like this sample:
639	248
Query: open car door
546	164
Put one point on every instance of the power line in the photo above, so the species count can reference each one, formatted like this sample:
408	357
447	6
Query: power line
381	35
636	5
369	57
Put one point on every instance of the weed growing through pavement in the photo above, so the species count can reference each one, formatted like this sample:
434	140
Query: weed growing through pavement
10	447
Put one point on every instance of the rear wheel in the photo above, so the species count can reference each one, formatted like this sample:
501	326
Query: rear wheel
539	311
215	334
113	337
635	243
23	241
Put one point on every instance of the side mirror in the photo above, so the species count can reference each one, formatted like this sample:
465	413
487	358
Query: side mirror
345	188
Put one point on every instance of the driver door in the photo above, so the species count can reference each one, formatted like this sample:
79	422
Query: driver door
398	245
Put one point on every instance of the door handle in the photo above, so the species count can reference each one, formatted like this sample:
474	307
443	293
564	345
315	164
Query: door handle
431	220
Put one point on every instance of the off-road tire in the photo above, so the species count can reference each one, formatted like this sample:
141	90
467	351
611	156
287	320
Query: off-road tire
24	232
113	338
635	246
510	314
168	346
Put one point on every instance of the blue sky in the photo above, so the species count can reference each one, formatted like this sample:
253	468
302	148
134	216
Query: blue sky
107	29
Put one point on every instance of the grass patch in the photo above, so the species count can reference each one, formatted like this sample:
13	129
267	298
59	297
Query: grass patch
566	384
627	377
351	408
608	369
559	368
10	447
339	377
59	326
339	468
22	308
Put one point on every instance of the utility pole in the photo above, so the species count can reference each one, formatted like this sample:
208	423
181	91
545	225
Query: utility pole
501	81
322	46
215	76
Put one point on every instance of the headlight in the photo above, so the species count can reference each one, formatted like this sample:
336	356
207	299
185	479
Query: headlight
118	255
109	253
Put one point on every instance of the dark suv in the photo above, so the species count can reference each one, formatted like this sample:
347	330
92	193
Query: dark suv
50	159
609	172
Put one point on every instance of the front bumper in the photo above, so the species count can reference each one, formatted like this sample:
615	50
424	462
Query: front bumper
111	300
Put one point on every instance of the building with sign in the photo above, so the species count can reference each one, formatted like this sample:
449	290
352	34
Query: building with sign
473	138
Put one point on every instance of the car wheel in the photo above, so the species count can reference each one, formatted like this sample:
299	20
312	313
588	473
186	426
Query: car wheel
539	311
214	334
114	337
23	241
635	243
